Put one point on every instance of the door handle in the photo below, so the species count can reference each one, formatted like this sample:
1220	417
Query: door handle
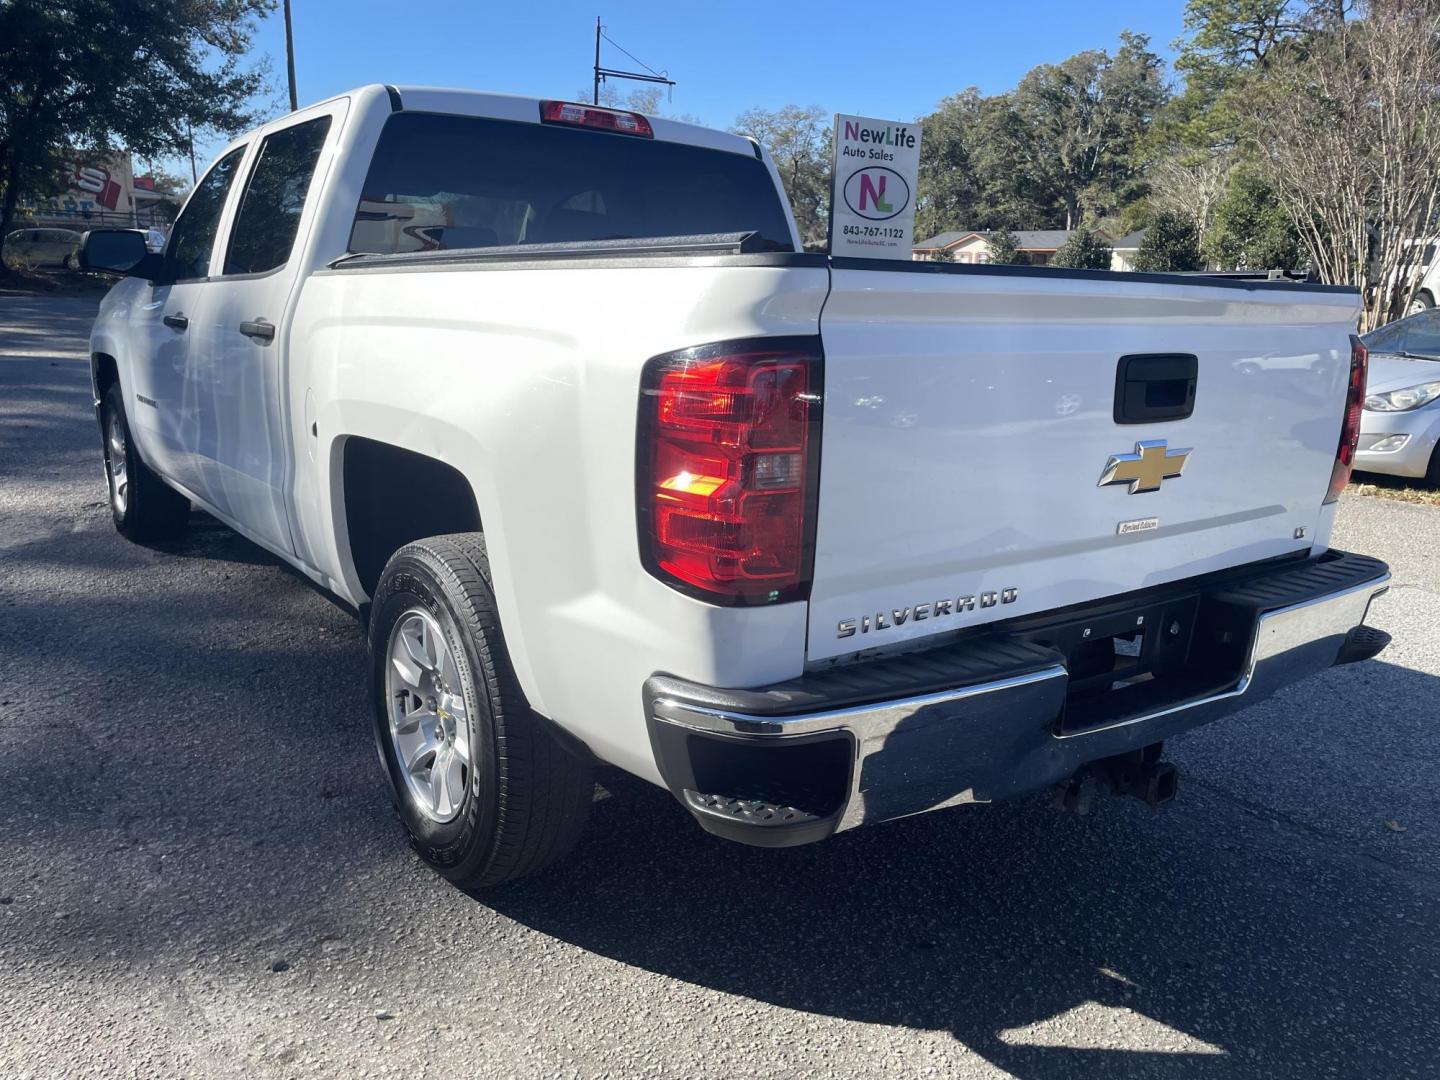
259	329
176	321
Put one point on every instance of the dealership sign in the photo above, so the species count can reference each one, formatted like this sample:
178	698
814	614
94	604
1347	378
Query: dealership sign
872	203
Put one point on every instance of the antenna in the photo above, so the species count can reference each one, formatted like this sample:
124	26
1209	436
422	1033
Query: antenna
603	73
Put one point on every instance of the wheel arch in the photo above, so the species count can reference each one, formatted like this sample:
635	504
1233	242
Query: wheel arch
104	373
439	500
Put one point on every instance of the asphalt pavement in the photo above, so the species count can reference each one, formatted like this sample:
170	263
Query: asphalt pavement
201	875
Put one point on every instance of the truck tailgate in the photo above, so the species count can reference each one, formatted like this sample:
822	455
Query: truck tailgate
969	418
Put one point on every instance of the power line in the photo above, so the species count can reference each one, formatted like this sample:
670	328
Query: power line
628	53
604	73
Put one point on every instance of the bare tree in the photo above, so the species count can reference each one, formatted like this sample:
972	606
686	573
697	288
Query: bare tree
799	139
1348	123
1190	183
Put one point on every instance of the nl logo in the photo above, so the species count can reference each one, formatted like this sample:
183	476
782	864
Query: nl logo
877	193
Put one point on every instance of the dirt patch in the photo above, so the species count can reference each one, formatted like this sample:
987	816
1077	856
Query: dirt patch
1394	487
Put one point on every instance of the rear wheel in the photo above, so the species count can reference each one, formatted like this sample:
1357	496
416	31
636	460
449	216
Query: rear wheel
141	505
1421	302
484	787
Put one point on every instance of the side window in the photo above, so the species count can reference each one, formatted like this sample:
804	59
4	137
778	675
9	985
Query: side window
269	217
1422	333
193	238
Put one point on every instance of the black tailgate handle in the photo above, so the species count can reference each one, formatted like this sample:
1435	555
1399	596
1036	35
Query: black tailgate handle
1152	387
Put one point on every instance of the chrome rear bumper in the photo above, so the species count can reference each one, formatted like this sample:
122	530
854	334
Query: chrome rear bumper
721	751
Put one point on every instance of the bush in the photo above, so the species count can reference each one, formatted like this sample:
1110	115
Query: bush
1005	249
1083	251
1170	243
1251	229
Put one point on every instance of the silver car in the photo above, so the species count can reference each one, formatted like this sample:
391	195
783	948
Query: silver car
44	247
1401	423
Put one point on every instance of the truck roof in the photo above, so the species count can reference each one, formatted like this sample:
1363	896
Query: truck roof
524	109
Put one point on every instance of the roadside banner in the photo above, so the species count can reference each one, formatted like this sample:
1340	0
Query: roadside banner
872	203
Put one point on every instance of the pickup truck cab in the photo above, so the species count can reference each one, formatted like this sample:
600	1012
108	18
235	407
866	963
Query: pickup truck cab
616	473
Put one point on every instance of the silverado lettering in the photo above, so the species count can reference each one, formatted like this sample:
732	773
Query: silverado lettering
918	612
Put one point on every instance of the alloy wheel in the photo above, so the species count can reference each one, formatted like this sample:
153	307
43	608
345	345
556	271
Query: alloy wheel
429	721
115	463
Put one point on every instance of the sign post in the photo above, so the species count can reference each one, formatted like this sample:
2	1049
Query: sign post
872	202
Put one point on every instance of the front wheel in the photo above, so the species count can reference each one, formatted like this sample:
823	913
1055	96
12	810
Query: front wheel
142	506
485	789
1421	302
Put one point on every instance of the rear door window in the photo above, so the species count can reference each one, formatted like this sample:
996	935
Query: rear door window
269	218
442	182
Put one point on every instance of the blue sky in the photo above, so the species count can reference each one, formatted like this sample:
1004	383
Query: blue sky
726	57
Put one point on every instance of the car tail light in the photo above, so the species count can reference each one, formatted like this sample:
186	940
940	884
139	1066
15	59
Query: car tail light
1350	427
728	466
592	116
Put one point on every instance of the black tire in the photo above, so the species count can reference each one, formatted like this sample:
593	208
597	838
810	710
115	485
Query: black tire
526	796
1432	474
143	507
1422	301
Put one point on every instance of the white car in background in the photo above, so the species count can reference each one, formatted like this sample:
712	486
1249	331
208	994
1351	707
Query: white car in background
1400	426
1427	295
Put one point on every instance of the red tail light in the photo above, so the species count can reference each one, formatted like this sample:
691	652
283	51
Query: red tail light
592	116
1350	427
728	469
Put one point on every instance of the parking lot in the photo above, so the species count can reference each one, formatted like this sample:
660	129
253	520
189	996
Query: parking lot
201	875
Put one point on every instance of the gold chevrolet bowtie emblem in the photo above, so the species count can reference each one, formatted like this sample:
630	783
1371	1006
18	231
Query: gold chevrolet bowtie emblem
1147	468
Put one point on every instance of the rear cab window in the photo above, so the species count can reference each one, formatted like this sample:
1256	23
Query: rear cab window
440	182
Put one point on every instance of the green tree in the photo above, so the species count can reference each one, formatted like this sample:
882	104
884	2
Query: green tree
94	76
1085	117
1083	250
799	139
948	192
1004	248
1170	243
1226	36
1251	229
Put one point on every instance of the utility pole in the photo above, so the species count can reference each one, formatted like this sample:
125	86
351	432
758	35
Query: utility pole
596	99
603	73
290	57
194	176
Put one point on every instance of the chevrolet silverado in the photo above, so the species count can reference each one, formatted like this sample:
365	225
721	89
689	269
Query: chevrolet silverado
614	472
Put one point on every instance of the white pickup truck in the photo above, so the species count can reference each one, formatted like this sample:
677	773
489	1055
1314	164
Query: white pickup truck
614	472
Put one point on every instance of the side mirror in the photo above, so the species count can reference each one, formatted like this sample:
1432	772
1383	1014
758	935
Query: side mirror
112	251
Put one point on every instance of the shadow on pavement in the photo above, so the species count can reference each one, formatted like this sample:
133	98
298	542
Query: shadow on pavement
1243	945
1253	952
